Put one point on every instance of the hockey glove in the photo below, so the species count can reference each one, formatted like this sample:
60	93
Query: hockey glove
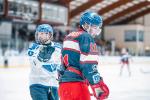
45	53
100	90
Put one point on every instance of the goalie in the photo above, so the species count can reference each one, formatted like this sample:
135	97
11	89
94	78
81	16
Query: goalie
80	58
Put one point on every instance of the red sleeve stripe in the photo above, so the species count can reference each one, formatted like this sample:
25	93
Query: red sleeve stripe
90	53
88	62
71	50
74	41
70	39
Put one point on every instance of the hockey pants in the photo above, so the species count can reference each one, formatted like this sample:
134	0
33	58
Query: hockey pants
73	91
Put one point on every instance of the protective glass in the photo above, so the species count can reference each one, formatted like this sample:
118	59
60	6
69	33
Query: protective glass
95	30
43	38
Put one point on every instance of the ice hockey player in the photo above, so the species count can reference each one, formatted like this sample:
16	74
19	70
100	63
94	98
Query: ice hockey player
80	59
45	61
125	60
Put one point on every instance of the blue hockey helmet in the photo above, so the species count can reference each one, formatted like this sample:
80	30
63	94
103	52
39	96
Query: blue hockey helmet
46	28
91	18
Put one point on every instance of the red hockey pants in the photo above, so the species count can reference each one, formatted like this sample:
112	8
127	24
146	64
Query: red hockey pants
74	91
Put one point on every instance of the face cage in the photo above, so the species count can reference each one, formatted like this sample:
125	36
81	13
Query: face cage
92	29
41	40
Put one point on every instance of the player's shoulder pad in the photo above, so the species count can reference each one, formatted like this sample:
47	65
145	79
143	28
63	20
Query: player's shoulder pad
85	38
56	45
85	35
33	46
85	41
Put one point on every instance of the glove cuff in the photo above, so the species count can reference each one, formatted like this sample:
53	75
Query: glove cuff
100	90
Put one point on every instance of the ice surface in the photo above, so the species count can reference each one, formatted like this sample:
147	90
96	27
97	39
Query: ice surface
14	81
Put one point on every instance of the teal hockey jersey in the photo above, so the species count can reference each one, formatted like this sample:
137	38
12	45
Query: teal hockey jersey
80	53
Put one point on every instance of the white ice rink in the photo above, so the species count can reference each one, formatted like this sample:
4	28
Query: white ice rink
14	81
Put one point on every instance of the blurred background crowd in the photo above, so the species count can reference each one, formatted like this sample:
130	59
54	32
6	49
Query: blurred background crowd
126	23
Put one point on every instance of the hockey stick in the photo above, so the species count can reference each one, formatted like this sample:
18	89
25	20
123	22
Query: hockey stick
144	71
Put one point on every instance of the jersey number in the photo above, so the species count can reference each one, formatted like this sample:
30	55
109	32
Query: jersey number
65	60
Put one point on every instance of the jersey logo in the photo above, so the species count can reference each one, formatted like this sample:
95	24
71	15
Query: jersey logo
30	53
51	67
93	47
94	67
